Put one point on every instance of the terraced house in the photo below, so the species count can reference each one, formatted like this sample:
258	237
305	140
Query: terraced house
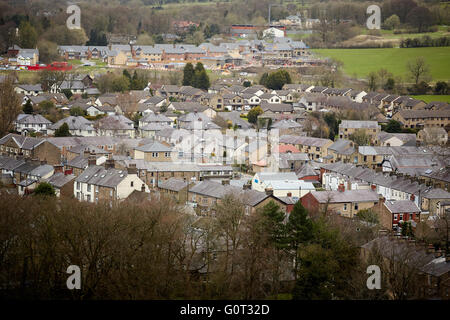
316	148
423	118
97	184
349	127
30	148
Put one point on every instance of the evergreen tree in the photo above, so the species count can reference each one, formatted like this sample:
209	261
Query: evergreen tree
28	107
188	74
126	74
45	189
62	131
263	79
199	67
393	127
201	80
274	225
276	80
300	231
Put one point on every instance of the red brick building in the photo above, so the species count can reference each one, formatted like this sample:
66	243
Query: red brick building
394	212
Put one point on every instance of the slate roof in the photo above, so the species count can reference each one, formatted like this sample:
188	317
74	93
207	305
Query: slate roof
305	171
173	184
74	123
359	124
115	122
155	118
423	114
32	119
401	206
23	142
99	176
342	146
276	107
219	191
154	147
307	141
345	196
286	124
397	249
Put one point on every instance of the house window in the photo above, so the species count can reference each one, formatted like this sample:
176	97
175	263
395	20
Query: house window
89	188
345	207
395	216
78	195
131	183
78	186
356	206
401	216
88	198
154	154
167	154
110	193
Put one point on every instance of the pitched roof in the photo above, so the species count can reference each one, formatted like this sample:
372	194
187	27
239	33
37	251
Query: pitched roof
401	206
74	123
100	176
32	119
154	147
345	196
173	184
359	124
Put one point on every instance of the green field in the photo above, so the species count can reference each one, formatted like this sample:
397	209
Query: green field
389	34
429	98
360	62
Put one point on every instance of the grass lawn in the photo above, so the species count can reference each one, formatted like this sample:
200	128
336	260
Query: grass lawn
428	98
389	34
361	62
25	76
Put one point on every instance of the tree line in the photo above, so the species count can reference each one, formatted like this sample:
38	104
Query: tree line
152	249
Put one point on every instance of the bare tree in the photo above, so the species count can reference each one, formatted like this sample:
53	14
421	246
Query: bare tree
9	105
418	69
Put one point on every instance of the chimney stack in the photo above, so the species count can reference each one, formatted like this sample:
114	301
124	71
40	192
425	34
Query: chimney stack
269	191
92	160
225	182
132	168
109	164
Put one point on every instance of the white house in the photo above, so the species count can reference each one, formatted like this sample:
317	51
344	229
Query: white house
290	188
273	33
26	123
99	184
78	126
29	89
261	180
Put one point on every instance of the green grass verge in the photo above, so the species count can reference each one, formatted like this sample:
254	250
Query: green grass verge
361	62
429	97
